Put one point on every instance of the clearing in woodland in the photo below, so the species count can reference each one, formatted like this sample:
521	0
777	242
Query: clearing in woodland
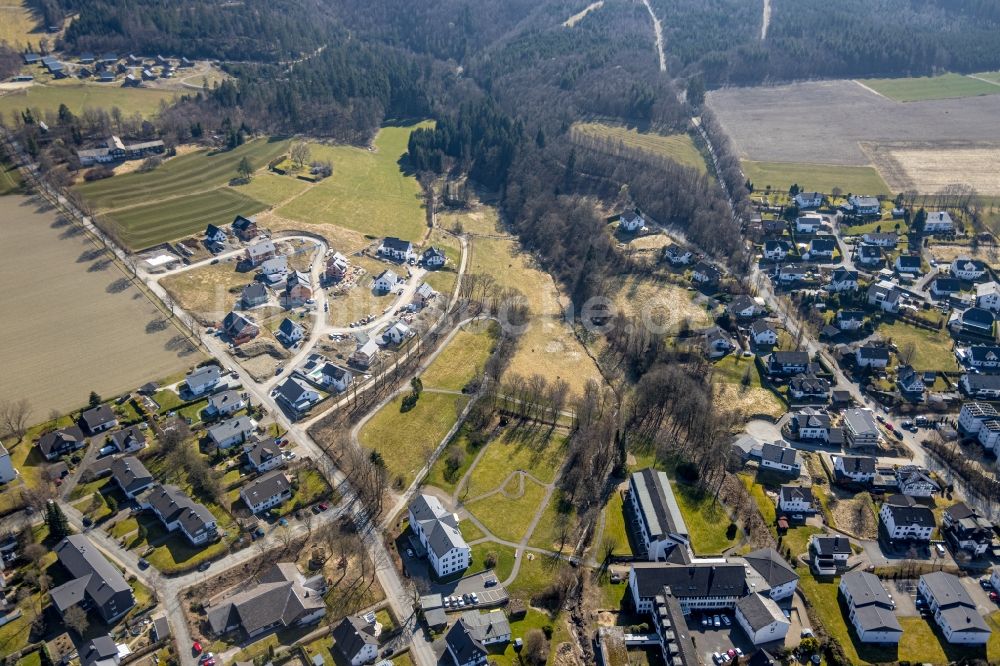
678	147
18	26
46	98
117	339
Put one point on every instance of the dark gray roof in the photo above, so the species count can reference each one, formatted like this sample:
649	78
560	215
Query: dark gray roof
173	504
759	611
908	261
128	436
657	503
235	322
97	650
859	464
692	580
851	315
877	618
983	353
874	353
810	384
771	566
977	317
352	635
206	374
463	645
255	291
289	327
947	284
760	326
97	417
796	494
742	302
241	223
866	251
281	597
262	451
832	545
905	511
947	590
130	473
809	418
790	357
334	372
292	389
784	455
267	486
53	441
866	589
841	274
433	252
225	399
396	244
822	245
485	627
92	575
982	382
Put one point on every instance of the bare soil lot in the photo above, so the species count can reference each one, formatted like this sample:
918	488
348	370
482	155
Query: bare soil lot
72	323
827	122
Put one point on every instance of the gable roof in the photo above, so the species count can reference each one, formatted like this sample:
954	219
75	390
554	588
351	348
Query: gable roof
293	390
235	323
254	291
290	328
282	596
173	504
831	545
741	303
352	634
100	649
874	353
784	455
230	428
759	611
822	245
762	326
908	261
206	374
905	511
396	244
269	485
841	274
771	566
866	589
790	357
388	275
52	441
947	589
796	494
657	503
130	473
97	416
93	575
486	627
978	317
261	451
243	223
690	580
224	399
464	647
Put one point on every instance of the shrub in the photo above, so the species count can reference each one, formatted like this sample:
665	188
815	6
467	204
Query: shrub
99	172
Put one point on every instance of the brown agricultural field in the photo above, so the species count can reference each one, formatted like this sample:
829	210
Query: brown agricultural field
72	322
932	168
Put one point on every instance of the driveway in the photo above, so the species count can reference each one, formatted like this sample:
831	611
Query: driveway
764	430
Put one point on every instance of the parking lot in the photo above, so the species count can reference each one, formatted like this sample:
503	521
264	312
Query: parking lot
709	640
417	568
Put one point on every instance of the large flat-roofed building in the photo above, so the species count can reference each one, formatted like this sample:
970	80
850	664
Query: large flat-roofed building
657	516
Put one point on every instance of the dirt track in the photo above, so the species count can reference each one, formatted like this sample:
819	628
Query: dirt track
71	321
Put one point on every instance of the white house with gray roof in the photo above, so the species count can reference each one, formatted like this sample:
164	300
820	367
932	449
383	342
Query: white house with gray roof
657	515
870	609
94	583
263	455
954	610
296	394
356	639
232	432
782	459
202	380
761	619
266	492
177	511
437	530
781	580
225	403
130	475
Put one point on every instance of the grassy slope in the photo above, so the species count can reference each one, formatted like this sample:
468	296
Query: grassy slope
678	147
80	96
18	26
461	360
931	87
820	177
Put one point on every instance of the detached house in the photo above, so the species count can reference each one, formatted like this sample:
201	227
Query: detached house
239	328
744	307
864	205
260	251
254	295
127	440
763	333
974	320
336	267
761	619
717	342
60	442
437	531
965	268
365	354
787	362
967	530
386	281
870	356
868	256
776	250
829	554
224	404
843	280
782	459
822	248
297	395
911	382
954	610
857	469
914	481
99	419
203	380
678	255
290	332
776	572
982	356
356	639
214	234
939	222
795	499
988	296
809	387
808	200
245	228
705	273
878	239
282	598
177	511
792	273
298	288
811	424
396	249
905	520
274	269
266	492
943	287
331	377
130	475
263	455
397	333
232	432
808	223
631	221
908	264
433	257
870	608
850	320
7	471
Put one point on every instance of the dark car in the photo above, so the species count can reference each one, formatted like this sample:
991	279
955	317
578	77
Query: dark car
143	564
204	566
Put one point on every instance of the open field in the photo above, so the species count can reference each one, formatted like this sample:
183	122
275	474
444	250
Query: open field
86	328
933	348
548	346
368	191
462	359
706	519
919	88
730	394
931	168
511	452
145	226
272	189
780	125
18	26
661	303
820	177
508	514
678	147
406	439
482	220
80	96
10	179
181	176
989	76
207	291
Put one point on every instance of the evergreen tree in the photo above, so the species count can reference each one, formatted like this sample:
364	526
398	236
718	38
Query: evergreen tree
56	521
94	400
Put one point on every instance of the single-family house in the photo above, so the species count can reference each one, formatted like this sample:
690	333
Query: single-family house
795	499
423	295
274	268
266	491
908	264
245	228
911	382
966	530
761	618
365	354
224	404
438	532
763	333
776	250
254	295
386	281
631	221
744	307
7	471
915	481
954	610
397	333
262	455
232	432
774	226
843	280
60	442
214	234
397	249
296	394
130	475
988	296
976	321
868	256
943	287
717	342
809	223
810	423
98	419
781	580
985	387
789	274
127	440
677	255
872	356
95	583
939	222
462	648
282	598
260	251
864	205
822	247
856	469
356	639
290	332
860	428
829	554
100	651
870	608
705	273
905	520
982	356
806	200
787	362
881	239
239	328
202	380
966	268
336	267
850	320
298	288
808	386
657	516
782	459
331	377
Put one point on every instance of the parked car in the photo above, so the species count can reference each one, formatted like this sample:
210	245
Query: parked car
940	549
106	451
323	506
716	621
490	582
985	584
716	657
726	621
204	566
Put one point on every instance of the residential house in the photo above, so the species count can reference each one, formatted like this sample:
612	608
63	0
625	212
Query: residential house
774	226
7	471
260	251
95	584
787	362
829	554
811	424
232	432
239	328
631	221
397	333
114	149
870	608
911	382
808	387
290	332
781	580
843	280
423	295
982	357
224	404
438	532
60	442
777	250
791	273
717	342
905	520
988	296
356	639
433	257
298	288
966	530
488	628
795	499
939	222
763	333
698	585
462	648
808	200
822	247
973	415
857	469
860	428
954	610
965	268
202	380
677	255
336	267
100	651
705	273
267	491
177	511
976	321
850	320
871	356
331	377
127	440
885	294
908	264
386	281
782	459
880	239
214	234
296	394
868	256
989	435
254	295
761	619
943	287
914	481
274	269
985	387
659	520
282	598
98	419
394	248
744	307
130	475
809	223
864	205
365	354
245	228
148	74
262	455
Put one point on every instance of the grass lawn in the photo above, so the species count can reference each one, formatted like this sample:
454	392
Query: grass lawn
461	360
752	399
558	517
10	179
918	88
534	619
402	660
614	524
207	292
797	539
144	226
176	555
469	531
933	348
509	518
764	503
368	192
533	453
79	96
819	177
678	147
18	25
193	411
535	575
706	520
442	280
440	474
663	303
31	659
167	399
504	556
272	188
407	439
